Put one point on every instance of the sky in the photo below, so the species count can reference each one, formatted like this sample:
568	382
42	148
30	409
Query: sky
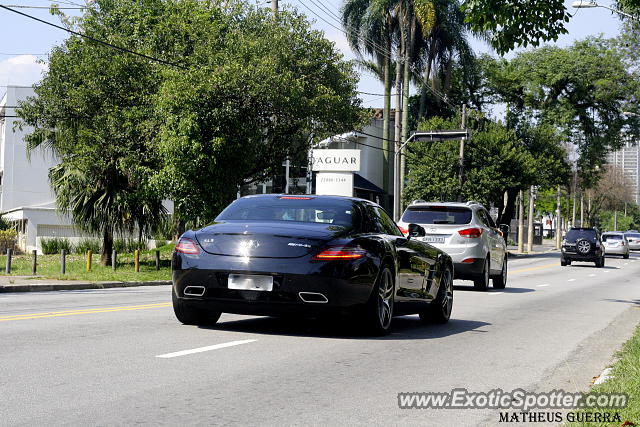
24	42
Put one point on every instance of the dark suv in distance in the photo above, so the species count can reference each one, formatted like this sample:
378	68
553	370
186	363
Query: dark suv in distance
582	244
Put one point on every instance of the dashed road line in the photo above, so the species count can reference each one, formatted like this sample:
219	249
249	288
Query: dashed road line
203	349
571	280
543	285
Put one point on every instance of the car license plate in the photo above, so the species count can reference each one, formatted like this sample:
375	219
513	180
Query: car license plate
250	282
433	239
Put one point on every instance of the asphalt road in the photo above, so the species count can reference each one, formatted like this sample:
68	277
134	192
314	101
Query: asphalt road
91	357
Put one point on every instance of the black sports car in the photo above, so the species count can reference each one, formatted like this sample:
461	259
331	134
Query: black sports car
283	254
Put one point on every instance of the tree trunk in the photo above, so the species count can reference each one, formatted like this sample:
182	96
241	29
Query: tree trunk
386	134
422	112
107	246
409	32
398	130
509	208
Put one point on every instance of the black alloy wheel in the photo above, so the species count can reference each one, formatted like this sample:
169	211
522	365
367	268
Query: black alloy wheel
379	308
439	311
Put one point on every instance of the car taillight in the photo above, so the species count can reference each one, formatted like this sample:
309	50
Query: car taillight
339	252
404	230
621	243
187	246
471	233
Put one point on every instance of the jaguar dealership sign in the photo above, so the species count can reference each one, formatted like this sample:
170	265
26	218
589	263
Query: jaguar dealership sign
335	170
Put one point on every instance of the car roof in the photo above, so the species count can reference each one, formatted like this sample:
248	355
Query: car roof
314	196
418	203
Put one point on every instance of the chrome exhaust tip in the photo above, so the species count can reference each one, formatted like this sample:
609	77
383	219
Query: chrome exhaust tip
313	297
194	291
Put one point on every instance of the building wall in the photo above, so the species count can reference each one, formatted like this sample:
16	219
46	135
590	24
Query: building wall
628	159
25	181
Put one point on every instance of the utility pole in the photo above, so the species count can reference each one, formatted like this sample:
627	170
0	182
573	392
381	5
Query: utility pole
530	222
461	159
581	210
521	222
274	7
558	219
615	220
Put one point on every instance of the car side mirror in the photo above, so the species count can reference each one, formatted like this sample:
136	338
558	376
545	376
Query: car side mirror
416	231
504	229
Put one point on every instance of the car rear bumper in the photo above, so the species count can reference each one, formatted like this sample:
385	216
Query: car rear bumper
468	271
621	250
574	256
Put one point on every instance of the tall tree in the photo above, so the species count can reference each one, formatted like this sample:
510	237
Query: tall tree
254	93
92	110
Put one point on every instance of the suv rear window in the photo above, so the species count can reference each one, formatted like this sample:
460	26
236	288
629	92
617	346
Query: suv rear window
606	237
437	215
575	234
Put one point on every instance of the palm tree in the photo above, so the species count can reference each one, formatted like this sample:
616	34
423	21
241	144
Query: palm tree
370	26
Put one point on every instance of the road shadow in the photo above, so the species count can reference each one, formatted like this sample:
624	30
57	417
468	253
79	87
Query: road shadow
470	288
634	302
586	264
544	255
403	328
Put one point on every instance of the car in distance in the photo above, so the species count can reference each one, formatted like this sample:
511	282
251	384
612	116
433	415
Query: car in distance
311	255
633	237
467	233
582	244
615	243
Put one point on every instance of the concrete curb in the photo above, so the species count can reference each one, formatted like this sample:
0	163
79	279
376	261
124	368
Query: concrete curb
35	287
513	254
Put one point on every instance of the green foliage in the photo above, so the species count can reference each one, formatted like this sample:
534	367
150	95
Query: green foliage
8	239
494	161
85	245
55	245
246	92
4	224
579	91
254	93
512	23
128	245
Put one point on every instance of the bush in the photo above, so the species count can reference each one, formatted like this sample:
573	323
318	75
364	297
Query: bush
128	245
88	244
4	224
55	245
8	239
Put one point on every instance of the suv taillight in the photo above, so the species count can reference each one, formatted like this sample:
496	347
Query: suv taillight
471	233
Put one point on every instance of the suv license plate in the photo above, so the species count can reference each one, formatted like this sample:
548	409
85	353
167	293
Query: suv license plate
431	239
250	282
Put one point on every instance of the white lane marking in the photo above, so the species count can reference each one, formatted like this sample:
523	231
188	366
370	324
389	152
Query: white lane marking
605	271
592	275
571	280
202	349
495	293
541	286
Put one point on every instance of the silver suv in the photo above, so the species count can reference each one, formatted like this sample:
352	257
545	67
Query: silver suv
467	233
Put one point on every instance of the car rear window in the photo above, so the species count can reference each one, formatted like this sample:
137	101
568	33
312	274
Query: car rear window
634	235
437	215
573	235
292	208
606	237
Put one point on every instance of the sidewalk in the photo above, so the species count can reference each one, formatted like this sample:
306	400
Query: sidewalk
548	245
36	284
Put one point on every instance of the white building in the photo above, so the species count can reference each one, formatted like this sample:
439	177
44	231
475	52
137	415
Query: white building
26	199
627	159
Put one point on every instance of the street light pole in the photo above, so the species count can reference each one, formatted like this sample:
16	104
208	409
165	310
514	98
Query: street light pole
585	4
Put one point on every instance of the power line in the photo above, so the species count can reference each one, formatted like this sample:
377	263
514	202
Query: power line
379	49
20	6
93	39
